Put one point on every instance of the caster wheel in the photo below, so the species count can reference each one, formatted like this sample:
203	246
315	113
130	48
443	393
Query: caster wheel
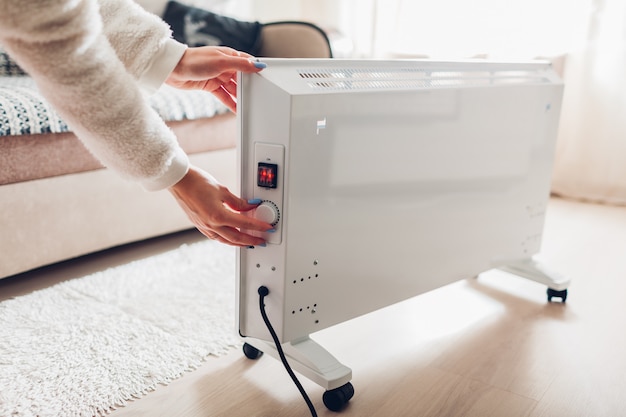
336	399
556	293
251	352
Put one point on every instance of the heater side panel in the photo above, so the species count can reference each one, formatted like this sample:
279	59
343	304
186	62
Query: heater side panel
264	112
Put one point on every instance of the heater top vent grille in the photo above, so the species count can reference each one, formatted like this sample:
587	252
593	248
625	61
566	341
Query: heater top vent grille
411	78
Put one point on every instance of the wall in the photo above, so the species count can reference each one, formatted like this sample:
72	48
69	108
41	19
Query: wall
321	11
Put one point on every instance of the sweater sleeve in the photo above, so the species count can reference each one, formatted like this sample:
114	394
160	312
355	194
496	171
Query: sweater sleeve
63	46
152	55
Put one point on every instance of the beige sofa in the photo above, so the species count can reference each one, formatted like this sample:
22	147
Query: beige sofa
57	202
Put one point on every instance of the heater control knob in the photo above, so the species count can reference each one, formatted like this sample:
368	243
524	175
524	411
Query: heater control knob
267	212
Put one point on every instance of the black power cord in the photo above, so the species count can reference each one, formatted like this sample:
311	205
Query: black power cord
263	292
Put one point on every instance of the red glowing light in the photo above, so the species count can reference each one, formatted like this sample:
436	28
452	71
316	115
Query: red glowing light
267	175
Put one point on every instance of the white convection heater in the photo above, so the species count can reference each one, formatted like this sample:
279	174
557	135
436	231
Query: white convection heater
385	180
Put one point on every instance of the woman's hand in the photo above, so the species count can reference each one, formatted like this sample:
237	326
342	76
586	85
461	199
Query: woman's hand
215	211
213	69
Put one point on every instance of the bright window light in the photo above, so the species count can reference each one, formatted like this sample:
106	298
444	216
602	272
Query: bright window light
495	28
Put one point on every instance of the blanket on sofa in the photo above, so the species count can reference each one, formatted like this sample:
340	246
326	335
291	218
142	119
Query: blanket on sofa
24	111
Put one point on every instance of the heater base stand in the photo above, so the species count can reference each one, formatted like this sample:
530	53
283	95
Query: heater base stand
534	270
309	359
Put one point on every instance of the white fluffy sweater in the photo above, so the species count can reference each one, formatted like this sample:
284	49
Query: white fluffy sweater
89	58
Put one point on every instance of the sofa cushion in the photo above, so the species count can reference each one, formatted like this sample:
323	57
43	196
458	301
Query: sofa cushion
36	143
32	157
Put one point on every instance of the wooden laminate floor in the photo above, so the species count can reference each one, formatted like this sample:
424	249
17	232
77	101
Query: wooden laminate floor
483	347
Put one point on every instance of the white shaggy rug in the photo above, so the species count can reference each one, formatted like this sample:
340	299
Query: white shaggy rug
82	347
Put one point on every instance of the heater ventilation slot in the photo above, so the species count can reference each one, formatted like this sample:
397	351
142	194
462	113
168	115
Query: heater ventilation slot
411	78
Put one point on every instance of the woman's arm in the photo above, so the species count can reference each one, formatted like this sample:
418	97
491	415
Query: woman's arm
152	55
61	44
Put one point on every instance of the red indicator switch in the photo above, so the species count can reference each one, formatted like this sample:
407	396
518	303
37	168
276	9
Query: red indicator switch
267	175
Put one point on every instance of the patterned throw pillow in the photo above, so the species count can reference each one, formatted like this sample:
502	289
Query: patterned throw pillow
199	27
